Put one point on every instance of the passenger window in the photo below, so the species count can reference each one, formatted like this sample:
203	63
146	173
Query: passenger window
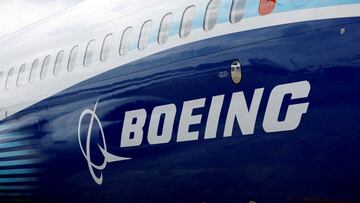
106	47
21	76
45	67
187	21
33	71
126	40
89	53
72	58
144	35
266	6
164	30
237	10
9	79
211	14
58	63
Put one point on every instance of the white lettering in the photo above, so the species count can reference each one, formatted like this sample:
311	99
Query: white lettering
187	119
213	117
294	112
168	112
238	110
136	128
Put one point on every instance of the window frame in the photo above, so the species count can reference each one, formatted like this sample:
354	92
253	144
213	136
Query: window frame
88	61
127	32
72	61
206	25
32	75
186	34
144	35
111	36
20	76
233	18
58	66
170	17
44	72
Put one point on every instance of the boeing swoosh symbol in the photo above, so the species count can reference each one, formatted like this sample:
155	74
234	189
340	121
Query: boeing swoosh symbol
108	157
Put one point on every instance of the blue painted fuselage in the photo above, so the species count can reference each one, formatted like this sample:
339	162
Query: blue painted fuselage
317	160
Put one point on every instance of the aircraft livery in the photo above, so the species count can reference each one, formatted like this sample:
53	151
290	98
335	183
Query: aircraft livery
183	101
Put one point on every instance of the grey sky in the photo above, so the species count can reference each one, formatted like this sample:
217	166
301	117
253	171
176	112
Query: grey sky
16	14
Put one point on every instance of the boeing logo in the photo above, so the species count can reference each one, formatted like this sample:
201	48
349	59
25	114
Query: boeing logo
238	111
108	158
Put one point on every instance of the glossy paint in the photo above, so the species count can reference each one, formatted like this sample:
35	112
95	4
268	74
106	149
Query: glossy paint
315	162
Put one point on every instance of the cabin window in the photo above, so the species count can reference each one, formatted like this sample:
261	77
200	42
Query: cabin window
237	10
9	79
164	30
126	40
211	14
21	76
45	67
144	35
106	47
72	58
89	53
187	21
58	63
33	71
266	6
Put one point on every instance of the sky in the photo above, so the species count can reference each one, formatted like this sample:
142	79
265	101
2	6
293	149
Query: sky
16	14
